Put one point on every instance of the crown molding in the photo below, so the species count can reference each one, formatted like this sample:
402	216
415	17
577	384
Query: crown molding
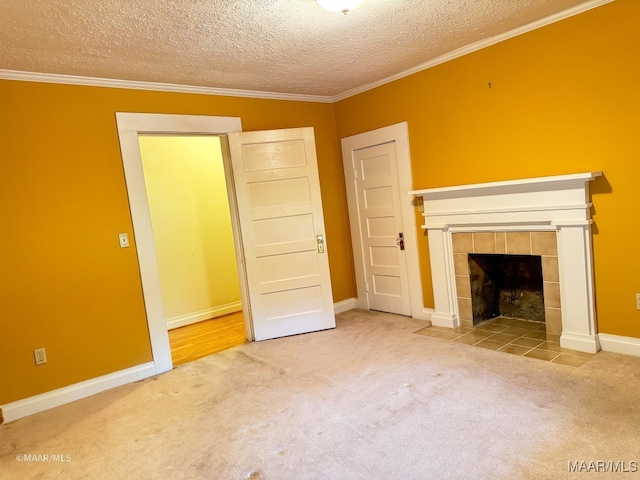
473	47
228	92
153	86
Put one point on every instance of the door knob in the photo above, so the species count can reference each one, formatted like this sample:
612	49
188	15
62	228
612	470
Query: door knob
320	242
400	240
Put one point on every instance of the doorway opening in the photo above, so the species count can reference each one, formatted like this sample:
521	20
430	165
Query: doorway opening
273	190
193	236
130	127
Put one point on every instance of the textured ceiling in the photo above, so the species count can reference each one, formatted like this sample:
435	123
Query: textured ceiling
288	46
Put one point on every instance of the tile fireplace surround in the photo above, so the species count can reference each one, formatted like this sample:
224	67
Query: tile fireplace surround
547	216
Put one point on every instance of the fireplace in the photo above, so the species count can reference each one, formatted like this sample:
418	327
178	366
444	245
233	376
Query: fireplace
538	254
547	217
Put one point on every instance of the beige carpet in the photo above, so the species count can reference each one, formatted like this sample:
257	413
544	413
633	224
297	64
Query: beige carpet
368	400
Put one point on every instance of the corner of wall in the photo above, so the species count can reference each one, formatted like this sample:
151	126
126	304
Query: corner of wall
345	305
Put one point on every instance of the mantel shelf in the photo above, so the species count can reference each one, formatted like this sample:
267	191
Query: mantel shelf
538	183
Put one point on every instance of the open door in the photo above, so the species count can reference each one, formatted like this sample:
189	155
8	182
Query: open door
280	210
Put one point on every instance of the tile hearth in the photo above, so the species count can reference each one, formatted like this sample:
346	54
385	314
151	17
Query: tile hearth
514	336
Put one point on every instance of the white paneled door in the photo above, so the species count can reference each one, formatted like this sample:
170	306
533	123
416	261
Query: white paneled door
279	205
381	228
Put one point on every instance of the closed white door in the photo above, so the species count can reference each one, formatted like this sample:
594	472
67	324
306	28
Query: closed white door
381	228
282	226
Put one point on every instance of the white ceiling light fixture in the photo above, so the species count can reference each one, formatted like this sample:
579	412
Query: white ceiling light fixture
344	6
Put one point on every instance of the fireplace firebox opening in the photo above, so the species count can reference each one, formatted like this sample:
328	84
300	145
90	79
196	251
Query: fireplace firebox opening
506	286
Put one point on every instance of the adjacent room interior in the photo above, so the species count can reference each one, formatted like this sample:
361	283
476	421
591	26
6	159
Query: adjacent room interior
187	193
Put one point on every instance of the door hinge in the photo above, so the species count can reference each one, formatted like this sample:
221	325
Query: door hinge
366	287
355	174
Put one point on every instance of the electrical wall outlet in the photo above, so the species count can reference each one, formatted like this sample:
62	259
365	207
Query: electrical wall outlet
123	238
638	301
40	356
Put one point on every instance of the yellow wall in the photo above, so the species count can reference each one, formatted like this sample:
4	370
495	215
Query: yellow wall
65	284
564	99
187	192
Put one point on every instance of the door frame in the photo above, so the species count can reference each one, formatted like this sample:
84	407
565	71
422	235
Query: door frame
130	126
398	133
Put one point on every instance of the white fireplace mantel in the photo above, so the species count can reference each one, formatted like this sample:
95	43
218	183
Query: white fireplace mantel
559	203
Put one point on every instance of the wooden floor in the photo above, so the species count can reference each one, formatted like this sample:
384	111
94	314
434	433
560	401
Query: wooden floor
206	338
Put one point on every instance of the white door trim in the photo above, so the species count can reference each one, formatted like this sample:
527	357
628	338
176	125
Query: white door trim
130	125
398	133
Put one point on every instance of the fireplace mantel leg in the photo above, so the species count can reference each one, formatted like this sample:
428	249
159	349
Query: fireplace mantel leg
579	330
443	278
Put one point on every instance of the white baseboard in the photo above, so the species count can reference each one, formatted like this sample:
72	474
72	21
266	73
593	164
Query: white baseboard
196	317
620	344
344	305
38	403
351	303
